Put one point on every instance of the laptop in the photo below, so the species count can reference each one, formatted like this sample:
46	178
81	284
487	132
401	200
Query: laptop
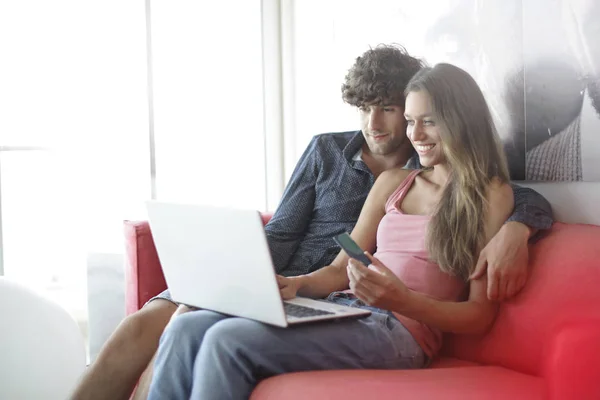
218	259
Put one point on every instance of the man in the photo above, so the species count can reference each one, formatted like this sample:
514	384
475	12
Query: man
323	198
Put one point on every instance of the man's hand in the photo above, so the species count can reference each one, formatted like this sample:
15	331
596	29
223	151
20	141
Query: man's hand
505	258
288	287
379	287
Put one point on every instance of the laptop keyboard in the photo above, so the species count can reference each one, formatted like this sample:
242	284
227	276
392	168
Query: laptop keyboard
294	310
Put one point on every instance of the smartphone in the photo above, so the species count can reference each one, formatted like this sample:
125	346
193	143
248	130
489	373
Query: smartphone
351	248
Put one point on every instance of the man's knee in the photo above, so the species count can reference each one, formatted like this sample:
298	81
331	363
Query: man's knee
191	326
182	309
235	333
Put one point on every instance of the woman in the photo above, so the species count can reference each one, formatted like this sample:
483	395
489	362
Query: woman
417	285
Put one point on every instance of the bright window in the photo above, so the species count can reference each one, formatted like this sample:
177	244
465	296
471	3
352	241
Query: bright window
208	102
73	79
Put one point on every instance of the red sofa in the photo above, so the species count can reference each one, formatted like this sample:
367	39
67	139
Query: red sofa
545	343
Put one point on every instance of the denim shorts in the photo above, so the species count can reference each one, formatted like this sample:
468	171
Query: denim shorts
164	295
350	300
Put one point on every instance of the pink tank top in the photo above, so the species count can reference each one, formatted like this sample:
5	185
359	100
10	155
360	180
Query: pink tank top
401	247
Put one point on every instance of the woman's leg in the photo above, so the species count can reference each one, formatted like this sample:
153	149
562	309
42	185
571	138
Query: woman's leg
143	387
237	353
125	355
179	345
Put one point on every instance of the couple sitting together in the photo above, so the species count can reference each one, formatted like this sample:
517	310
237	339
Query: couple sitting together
423	187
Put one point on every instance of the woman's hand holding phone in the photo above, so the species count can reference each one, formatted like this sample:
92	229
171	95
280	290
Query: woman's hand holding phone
376	286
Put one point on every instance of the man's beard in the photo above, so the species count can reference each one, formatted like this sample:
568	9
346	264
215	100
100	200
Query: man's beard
593	88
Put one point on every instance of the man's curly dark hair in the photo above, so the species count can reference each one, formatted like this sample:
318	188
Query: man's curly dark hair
380	76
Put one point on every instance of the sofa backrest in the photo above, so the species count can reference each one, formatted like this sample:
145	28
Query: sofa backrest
564	284
572	202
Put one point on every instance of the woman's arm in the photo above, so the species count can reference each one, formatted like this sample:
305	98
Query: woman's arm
476	315
383	289
333	277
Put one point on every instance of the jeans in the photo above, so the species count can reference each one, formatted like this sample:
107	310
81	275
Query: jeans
206	355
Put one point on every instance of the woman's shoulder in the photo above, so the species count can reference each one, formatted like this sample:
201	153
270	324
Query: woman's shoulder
395	175
389	180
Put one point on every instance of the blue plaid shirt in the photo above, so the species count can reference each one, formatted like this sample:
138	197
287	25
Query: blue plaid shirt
324	198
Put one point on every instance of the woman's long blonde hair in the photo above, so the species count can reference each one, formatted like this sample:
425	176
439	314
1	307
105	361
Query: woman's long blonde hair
473	150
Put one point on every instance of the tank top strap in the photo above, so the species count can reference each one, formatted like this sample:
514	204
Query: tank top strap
401	191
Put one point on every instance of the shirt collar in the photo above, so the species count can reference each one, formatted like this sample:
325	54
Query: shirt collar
354	146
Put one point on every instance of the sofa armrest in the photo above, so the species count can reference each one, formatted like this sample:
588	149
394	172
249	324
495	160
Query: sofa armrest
143	274
572	362
266	217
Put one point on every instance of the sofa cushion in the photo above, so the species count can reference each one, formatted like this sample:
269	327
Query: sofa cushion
449	362
490	383
563	284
